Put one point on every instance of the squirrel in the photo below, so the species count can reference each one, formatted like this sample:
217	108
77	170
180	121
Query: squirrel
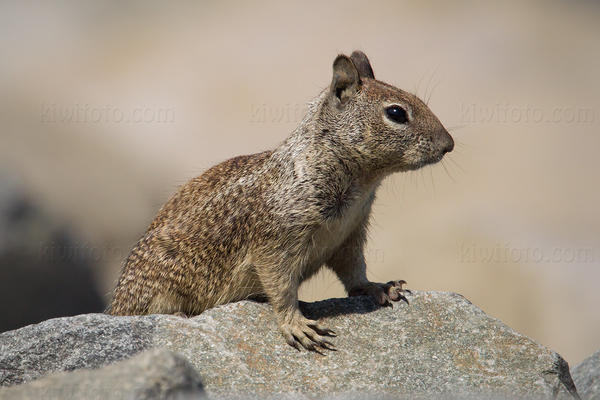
257	226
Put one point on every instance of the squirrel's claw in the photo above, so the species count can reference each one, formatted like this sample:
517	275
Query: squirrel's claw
305	333
383	293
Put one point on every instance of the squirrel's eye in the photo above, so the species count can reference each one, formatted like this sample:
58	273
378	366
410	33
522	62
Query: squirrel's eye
397	114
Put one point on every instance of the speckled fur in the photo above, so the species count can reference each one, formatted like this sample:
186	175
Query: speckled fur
257	226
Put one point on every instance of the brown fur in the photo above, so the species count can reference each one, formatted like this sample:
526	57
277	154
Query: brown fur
257	226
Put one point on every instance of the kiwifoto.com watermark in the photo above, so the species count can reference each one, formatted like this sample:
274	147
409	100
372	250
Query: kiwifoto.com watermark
55	252
277	114
509	254
505	113
84	113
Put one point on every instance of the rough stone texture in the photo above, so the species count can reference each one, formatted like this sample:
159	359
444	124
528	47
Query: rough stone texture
65	344
587	377
154	374
439	343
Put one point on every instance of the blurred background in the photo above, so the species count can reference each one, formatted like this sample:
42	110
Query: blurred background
106	107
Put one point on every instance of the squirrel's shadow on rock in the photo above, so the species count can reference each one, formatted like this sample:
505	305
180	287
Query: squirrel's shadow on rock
339	306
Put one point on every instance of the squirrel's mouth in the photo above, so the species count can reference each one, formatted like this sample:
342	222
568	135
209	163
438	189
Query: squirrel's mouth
437	158
430	159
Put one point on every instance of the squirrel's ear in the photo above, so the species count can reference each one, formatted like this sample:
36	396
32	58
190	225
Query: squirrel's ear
346	80
362	64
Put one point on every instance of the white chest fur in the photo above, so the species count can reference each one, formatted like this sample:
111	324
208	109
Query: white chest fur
332	234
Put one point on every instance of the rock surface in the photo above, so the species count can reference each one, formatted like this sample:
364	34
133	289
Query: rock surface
587	377
439	343
155	374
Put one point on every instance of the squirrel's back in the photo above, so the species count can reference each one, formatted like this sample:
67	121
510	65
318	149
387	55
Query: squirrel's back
194	241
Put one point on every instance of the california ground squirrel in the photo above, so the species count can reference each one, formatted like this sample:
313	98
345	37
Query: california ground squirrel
257	226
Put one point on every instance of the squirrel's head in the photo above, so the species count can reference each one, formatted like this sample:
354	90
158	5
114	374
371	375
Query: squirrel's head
392	129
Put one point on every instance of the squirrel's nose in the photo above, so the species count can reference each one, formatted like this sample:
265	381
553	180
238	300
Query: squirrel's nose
444	140
449	146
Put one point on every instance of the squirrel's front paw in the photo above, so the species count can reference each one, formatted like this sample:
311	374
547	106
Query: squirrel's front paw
302	332
382	293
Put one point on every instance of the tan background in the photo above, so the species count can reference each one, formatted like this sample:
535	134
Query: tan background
510	220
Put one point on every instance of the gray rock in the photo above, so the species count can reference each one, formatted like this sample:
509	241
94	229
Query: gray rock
587	377
439	343
69	343
154	374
